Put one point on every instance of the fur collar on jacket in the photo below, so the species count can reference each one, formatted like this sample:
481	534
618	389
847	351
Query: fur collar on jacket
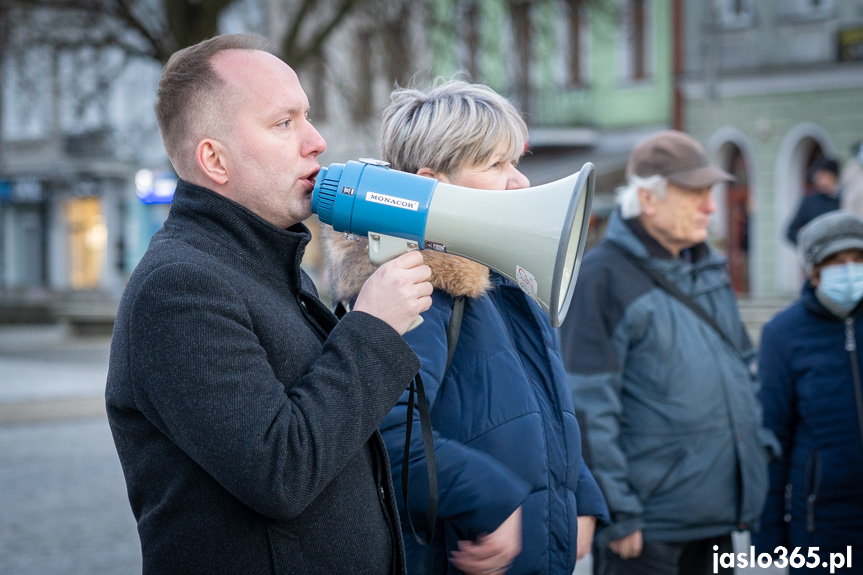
348	268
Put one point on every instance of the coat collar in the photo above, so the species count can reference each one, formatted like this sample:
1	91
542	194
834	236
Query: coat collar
273	251
348	268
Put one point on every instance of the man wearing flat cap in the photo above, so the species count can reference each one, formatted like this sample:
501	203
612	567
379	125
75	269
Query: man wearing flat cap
810	366
662	368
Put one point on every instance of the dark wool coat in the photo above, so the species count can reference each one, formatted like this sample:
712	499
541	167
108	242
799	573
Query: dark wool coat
245	417
807	363
673	423
505	429
810	207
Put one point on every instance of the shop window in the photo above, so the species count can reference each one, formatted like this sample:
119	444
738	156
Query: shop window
87	240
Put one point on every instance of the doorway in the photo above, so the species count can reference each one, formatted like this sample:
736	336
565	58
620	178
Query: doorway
737	206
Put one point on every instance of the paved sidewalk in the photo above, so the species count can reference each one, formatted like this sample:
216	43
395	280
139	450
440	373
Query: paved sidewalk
45	363
62	493
63	504
49	375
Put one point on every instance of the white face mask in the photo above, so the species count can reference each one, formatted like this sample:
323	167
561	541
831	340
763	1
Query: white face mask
843	285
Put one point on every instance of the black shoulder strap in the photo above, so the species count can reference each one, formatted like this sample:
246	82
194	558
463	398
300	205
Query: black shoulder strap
453	329
416	395
431	466
452	332
672	289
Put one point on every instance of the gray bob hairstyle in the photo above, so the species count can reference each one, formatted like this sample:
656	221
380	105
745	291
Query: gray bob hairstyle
451	126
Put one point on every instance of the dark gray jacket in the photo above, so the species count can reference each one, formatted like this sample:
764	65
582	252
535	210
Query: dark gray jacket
245	417
673	425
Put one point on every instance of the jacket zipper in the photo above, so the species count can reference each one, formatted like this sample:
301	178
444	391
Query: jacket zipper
851	347
813	479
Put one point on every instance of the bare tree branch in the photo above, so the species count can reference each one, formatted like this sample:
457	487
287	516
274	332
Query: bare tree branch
153	38
297	54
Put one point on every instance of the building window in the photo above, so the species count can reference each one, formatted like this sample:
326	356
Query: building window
317	81
362	104
636	40
577	36
469	19
806	9
520	18
735	13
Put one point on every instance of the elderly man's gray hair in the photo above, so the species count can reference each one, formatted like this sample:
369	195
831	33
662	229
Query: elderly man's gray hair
627	196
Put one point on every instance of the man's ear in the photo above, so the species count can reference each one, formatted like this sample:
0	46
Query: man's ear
429	173
212	160
647	199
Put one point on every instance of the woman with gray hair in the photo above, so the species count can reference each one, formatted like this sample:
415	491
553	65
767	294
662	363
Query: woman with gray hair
514	493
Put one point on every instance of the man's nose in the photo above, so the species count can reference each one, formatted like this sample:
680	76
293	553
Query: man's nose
709	202
314	142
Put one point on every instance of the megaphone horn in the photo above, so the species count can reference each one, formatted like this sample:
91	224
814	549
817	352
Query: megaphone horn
533	236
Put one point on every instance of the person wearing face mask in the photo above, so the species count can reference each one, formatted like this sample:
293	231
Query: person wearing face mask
810	365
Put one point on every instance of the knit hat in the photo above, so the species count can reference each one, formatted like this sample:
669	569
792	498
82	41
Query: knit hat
827	235
677	157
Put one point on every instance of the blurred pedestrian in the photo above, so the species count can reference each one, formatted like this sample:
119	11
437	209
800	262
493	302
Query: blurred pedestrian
514	493
825	198
810	369
661	364
244	415
852	182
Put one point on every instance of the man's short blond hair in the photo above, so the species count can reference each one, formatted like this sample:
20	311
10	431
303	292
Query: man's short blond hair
191	102
448	127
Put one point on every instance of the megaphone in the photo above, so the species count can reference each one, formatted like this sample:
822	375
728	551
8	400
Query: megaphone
533	236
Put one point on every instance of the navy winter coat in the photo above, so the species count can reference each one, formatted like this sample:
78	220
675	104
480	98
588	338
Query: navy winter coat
811	207
807	363
672	419
505	429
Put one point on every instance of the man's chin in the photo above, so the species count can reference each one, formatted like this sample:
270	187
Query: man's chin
305	213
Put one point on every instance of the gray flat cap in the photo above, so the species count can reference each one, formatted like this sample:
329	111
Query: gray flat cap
826	235
676	156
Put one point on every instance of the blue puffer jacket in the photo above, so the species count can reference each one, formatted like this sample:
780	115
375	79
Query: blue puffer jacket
807	363
673	423
505	429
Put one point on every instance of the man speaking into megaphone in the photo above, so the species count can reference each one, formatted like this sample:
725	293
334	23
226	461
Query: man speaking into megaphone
514	493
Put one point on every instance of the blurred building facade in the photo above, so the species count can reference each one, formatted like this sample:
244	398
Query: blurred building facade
591	77
69	220
767	86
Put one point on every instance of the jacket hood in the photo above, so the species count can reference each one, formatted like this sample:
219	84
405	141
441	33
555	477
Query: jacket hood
348	267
